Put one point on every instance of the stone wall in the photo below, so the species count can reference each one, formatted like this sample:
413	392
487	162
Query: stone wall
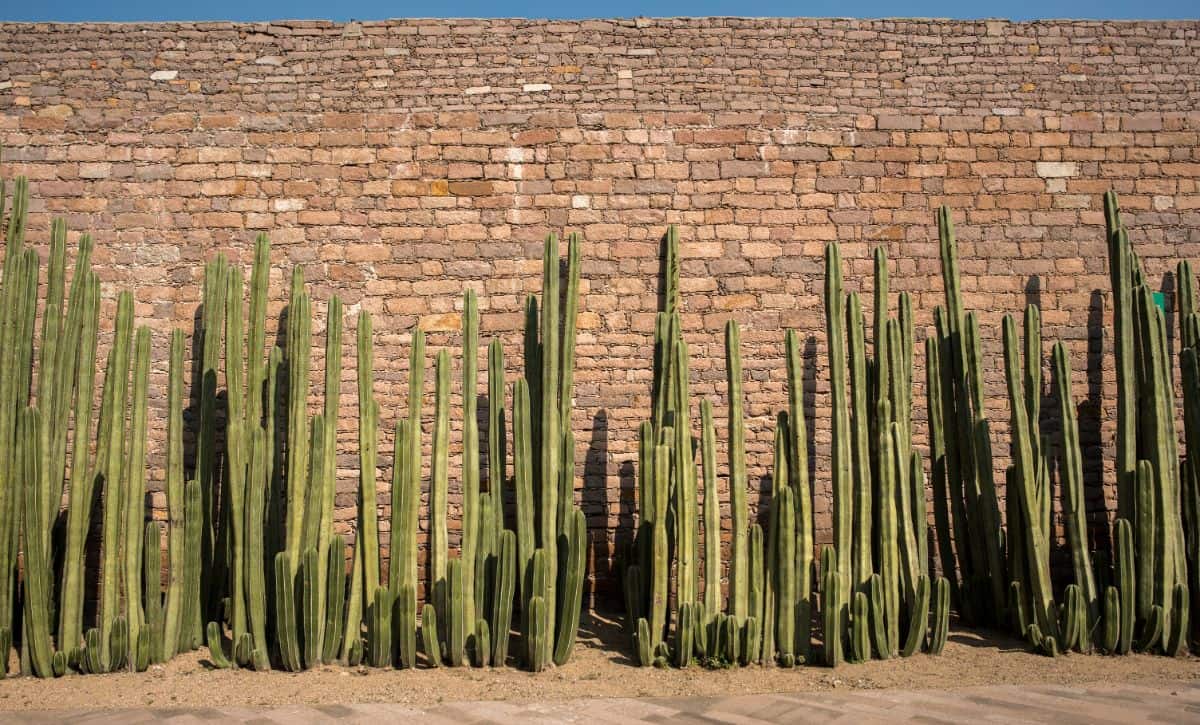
403	161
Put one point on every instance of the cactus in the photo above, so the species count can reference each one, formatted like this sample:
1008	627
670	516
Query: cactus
788	628
833	624
37	564
523	485
481	647
1111	633
1152	629
286	635
439	474
860	439
739	565
1124	566
1121	262
470	462
573	546
860	628
189	633
112	448
216	649
731	638
82	478
404	628
941	616
334	599
403	560
683	635
536	636
642	643
429	636
455	608
151	579
918	618
1072	473
1027	479
840	459
118	646
365	567
310	615
1175	637
379	629
879	618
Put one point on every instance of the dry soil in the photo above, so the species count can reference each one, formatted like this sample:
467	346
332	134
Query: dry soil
600	667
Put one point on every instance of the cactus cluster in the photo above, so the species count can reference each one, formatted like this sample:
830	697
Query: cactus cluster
254	568
1136	595
875	590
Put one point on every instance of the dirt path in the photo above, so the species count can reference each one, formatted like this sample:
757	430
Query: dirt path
600	667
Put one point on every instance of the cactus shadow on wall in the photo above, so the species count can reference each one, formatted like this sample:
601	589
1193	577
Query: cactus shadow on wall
595	506
1090	439
809	399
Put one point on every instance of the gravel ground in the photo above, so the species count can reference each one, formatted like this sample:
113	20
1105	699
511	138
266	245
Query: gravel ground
600	667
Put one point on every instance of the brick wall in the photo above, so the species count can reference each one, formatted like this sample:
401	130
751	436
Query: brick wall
403	161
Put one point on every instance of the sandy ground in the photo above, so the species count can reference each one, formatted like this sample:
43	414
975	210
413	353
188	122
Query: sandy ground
600	667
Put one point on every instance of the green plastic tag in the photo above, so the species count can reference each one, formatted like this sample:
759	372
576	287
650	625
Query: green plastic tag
1161	301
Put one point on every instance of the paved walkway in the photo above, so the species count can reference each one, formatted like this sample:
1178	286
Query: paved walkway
1166	703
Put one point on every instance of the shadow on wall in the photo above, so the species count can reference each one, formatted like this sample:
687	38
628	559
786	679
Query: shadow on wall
601	575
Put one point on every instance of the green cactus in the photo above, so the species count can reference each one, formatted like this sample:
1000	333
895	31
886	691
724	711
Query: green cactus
833	623
1027	489
682	645
860	628
151	576
118	646
918	618
310	614
841	444
379	629
112	448
364	579
538	613
860	437
216	649
1124	566
438	497
941	616
82	478
1072	473
334	599
642	643
286	636
573	546
1121	263
523	485
403	560
38	591
404	628
1110	635
455	608
470	461
879	618
429	636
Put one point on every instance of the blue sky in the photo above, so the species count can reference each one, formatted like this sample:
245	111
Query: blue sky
149	10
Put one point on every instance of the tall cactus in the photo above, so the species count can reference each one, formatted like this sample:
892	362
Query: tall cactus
82	478
739	564
134	487
470	460
112	446
840	459
1073	501
1026	476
